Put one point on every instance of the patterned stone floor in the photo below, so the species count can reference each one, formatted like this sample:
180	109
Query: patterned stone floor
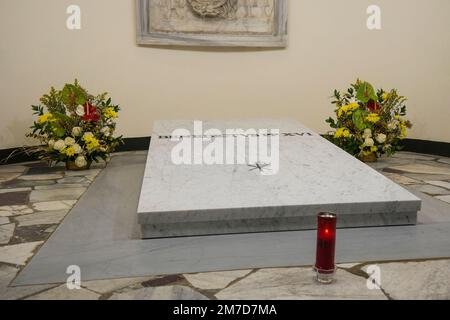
34	199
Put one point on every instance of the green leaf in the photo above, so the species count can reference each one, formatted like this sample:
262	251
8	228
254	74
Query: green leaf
80	99
71	94
366	92
358	120
59	132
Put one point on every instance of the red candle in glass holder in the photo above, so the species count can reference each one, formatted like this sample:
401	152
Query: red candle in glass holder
326	244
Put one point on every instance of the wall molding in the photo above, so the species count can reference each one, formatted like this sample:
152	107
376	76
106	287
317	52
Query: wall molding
142	143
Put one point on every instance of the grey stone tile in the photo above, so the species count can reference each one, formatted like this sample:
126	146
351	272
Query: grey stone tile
56	194
165	280
444	198
414	156
105	286
386	162
7	274
100	165
38	164
416	280
433	190
444	160
54	205
39	177
47	217
18	254
434	212
422	168
82	173
425	177
24	184
4	220
160	293
63	293
51	229
15	190
29	234
7	211
298	283
91	178
45	170
214	280
62	186
347	265
72	180
397	178
12	169
7	176
443	184
6	232
14	198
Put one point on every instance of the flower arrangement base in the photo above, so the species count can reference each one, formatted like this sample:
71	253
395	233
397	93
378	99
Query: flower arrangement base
370	158
70	165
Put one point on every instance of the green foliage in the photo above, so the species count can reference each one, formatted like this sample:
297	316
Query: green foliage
358	119
368	120
74	125
365	92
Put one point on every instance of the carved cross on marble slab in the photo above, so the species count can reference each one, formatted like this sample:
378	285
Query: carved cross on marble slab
258	166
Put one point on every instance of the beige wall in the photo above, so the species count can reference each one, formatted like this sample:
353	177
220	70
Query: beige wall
329	47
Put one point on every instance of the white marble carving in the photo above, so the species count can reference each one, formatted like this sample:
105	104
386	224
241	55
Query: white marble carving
242	23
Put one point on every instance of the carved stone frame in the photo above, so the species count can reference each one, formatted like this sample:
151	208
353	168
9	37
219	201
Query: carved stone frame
145	37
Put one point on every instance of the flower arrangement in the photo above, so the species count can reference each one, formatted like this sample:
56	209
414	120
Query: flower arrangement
368	123
74	127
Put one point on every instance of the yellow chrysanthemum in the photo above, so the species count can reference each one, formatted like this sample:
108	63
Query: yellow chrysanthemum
373	117
403	130
347	109
92	144
342	133
45	117
374	148
69	151
110	113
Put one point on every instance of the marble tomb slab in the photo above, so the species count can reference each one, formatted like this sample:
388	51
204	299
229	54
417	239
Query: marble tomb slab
313	176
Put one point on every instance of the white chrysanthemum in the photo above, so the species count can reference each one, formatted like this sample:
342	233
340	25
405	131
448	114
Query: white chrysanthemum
79	111
369	142
381	138
77	148
51	143
393	125
59	145
76	131
106	131
80	161
69	141
88	134
367	133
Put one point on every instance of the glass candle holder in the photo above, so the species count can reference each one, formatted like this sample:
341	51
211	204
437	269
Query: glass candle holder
325	267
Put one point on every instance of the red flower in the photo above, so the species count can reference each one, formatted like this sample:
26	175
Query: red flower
373	106
90	113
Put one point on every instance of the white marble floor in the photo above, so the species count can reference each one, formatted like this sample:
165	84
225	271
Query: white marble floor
30	213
